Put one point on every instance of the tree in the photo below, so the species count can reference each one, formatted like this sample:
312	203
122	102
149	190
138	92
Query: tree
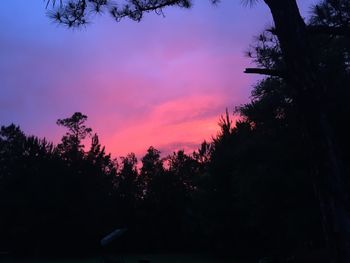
127	187
305	71
259	179
303	76
152	167
77	131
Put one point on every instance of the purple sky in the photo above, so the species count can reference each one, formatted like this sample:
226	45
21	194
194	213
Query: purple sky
161	82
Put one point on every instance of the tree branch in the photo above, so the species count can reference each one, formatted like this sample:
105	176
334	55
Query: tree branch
265	71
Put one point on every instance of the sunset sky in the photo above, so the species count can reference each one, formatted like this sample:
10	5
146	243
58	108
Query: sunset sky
163	82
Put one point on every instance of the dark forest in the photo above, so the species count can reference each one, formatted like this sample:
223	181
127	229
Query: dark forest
272	185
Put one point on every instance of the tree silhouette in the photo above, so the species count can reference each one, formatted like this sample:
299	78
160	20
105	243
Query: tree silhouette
78	12
330	59
77	131
152	166
303	76
254	188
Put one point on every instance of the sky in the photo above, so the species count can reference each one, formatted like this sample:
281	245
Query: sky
162	82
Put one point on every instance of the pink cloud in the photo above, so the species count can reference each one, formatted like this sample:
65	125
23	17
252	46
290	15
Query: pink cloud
162	82
177	124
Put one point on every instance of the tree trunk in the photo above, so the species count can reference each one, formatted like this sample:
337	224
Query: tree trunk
303	78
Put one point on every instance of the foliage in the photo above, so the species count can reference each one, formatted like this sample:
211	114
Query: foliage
248	191
75	13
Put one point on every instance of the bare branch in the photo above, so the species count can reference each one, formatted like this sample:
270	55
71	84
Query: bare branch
264	71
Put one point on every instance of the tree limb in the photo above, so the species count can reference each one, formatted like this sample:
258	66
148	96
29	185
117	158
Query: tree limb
265	71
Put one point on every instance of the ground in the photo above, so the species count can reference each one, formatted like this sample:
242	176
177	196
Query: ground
134	258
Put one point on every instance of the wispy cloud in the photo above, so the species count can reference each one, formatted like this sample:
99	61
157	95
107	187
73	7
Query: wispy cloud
162	82
177	124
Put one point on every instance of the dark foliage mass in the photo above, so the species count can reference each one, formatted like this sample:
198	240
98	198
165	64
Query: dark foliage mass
250	191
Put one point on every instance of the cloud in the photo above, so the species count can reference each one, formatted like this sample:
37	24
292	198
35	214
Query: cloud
176	124
162	82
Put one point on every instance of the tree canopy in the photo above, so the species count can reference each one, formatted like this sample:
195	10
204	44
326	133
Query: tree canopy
261	187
